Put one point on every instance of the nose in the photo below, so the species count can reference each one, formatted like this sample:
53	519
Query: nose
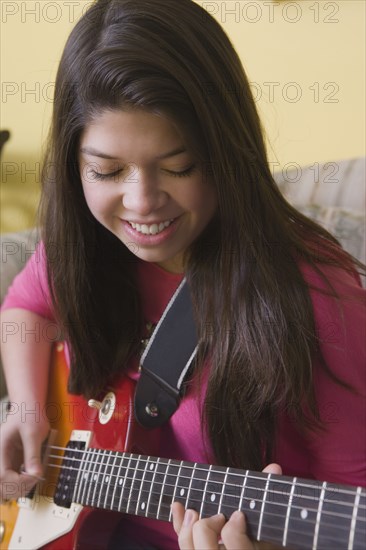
141	193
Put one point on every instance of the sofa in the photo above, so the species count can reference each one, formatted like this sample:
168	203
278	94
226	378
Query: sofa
333	194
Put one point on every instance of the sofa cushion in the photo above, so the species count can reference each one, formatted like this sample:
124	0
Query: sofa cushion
346	224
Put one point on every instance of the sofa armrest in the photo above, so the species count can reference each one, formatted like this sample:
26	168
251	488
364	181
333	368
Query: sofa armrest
15	251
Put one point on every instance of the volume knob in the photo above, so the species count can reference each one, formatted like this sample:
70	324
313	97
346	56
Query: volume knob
94	404
105	407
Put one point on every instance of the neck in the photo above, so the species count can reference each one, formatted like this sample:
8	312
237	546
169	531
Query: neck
286	511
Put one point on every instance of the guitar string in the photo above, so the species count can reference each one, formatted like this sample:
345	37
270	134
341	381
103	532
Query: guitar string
165	508
141	458
304	533
341	503
257	489
98	452
247	487
255	511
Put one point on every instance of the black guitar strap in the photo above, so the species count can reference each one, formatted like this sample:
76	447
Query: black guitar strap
166	361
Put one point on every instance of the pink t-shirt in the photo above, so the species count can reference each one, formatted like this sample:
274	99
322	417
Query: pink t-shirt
337	454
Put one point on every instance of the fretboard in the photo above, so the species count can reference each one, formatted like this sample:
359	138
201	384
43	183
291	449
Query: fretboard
294	512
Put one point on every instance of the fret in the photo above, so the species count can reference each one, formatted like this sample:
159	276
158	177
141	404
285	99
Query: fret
112	482
126	482
222	491
82	477
152	496
358	530
214	489
97	475
303	514
189	499
318	516
153	500
87	499
336	517
251	504
232	491
184	484
119	501
197	483
293	485
103	480
141	507
262	508
273	522
201	514
170	487
243	489
108	478
354	518
132	505
87	477
174	498
162	490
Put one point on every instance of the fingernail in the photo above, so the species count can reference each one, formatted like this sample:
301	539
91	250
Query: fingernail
188	517
237	516
219	516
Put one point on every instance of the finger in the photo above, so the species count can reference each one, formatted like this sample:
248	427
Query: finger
14	485
11	452
234	534
32	456
185	537
178	512
273	469
207	531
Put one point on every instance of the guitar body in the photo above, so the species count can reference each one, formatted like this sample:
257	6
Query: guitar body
37	522
100	464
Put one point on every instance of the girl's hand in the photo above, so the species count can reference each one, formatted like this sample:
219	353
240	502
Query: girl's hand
205	533
197	534
20	455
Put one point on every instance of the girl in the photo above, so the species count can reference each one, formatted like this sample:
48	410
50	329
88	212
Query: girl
156	169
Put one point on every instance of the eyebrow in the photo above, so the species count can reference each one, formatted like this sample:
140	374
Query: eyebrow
95	153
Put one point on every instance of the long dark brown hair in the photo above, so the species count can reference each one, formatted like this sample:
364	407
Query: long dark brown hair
253	310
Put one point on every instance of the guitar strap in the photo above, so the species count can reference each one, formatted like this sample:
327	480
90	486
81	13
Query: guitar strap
166	361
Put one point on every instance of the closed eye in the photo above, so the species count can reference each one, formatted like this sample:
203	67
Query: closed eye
182	174
110	175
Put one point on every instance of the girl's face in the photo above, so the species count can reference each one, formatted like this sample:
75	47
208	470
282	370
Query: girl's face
142	183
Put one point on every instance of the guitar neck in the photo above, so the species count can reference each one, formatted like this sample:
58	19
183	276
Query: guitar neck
294	512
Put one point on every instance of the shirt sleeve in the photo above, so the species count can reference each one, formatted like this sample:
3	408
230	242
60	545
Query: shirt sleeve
338	453
29	289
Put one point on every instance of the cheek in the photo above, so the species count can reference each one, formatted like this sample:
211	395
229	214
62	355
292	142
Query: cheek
94	206
96	198
206	201
201	198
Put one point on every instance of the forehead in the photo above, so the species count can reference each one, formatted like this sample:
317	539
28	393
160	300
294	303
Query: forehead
129	130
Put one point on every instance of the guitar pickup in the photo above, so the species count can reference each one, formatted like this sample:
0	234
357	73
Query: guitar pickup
67	479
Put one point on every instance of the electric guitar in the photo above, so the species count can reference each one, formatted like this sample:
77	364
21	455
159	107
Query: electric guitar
95	472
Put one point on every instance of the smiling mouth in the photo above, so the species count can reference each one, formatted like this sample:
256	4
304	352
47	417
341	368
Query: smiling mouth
153	229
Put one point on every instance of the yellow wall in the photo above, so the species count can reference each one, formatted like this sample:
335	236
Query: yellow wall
305	60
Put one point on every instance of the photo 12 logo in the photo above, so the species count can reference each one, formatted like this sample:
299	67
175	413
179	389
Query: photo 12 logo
29	11
272	12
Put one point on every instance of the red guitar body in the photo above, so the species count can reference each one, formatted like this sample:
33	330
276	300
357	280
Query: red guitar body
68	413
99	470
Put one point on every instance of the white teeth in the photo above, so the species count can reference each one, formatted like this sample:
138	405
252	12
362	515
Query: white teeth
153	229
